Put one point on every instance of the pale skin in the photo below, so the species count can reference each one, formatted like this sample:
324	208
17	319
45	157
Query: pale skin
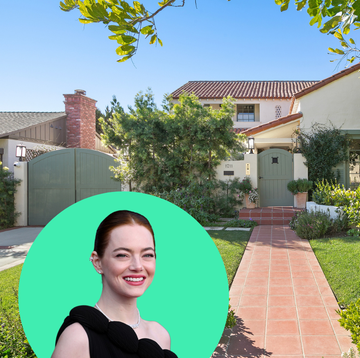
130	254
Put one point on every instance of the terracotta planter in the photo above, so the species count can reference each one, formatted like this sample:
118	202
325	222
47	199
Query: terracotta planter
300	200
249	204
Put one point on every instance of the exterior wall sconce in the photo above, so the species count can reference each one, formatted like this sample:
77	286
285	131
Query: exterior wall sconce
20	152
251	142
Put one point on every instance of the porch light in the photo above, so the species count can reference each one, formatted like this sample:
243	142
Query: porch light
20	152
298	145
251	141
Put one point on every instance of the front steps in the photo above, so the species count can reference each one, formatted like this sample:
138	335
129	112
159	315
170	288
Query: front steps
272	215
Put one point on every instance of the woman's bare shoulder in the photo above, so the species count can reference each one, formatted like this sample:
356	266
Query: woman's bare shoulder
73	342
159	334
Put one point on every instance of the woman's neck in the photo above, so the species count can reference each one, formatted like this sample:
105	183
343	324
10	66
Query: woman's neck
119	308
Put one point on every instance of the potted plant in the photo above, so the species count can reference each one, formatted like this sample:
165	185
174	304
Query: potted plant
299	188
253	197
246	189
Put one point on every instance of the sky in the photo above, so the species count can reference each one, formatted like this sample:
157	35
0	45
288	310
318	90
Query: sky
46	52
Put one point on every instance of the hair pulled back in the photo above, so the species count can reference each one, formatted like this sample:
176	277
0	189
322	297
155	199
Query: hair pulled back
114	220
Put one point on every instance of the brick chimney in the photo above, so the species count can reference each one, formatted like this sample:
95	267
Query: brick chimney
81	120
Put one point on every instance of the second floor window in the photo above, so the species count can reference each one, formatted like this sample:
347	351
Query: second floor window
246	113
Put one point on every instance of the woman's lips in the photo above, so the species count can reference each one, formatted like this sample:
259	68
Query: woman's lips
135	280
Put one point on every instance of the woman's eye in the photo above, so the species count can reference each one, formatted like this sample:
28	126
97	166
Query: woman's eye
149	255
120	255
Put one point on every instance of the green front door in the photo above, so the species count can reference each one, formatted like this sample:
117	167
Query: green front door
275	171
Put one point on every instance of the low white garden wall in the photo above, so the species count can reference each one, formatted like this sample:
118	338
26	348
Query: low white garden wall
312	206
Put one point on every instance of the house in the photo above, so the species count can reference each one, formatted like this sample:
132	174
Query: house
73	128
257	102
270	112
332	101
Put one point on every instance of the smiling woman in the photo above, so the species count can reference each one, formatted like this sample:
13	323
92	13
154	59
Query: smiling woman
124	255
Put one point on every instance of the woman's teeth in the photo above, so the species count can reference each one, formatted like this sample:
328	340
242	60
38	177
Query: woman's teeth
134	279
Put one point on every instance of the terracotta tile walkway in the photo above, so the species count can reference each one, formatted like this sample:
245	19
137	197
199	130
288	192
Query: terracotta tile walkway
283	303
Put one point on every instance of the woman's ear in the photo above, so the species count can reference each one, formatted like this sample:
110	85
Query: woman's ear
95	259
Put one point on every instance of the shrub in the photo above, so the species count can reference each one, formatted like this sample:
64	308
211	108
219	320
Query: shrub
205	202
241	223
8	185
299	186
333	194
350	320
13	342
312	225
227	197
195	199
231	319
350	354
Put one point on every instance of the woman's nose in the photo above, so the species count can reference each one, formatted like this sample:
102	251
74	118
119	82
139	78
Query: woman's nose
136	264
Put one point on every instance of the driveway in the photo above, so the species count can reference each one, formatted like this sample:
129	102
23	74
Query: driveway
15	244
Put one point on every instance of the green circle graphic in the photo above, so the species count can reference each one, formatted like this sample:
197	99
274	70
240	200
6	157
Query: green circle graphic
189	295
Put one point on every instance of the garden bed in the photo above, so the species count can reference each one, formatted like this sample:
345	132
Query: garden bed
332	210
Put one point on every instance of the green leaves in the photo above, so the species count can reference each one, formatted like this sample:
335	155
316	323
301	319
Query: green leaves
340	15
147	30
123	20
124	50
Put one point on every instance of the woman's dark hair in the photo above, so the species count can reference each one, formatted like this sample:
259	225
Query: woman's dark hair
114	220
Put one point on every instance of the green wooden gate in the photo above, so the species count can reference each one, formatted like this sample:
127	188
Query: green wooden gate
275	171
60	178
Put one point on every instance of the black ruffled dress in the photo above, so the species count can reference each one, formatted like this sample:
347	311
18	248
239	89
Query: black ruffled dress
112	339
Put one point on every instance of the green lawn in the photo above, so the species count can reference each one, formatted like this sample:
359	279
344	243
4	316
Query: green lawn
9	280
231	245
340	261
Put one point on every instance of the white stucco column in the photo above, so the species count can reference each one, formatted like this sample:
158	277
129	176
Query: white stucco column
21	196
300	169
251	163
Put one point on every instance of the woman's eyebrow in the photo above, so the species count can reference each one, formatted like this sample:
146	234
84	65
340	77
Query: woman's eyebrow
129	250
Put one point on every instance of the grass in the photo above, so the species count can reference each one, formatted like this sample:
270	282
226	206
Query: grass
339	258
231	245
9	280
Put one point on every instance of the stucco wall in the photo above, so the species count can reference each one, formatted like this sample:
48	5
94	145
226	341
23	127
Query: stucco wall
337	102
21	195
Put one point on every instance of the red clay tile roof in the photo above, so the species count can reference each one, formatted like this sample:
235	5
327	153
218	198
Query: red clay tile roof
243	89
272	124
323	83
327	80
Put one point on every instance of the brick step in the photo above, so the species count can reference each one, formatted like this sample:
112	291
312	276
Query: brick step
269	215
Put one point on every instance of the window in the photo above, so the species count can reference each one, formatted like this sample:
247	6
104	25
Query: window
246	113
206	105
277	112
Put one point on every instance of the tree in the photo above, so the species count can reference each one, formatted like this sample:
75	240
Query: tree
115	106
340	17
126	22
323	148
170	147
